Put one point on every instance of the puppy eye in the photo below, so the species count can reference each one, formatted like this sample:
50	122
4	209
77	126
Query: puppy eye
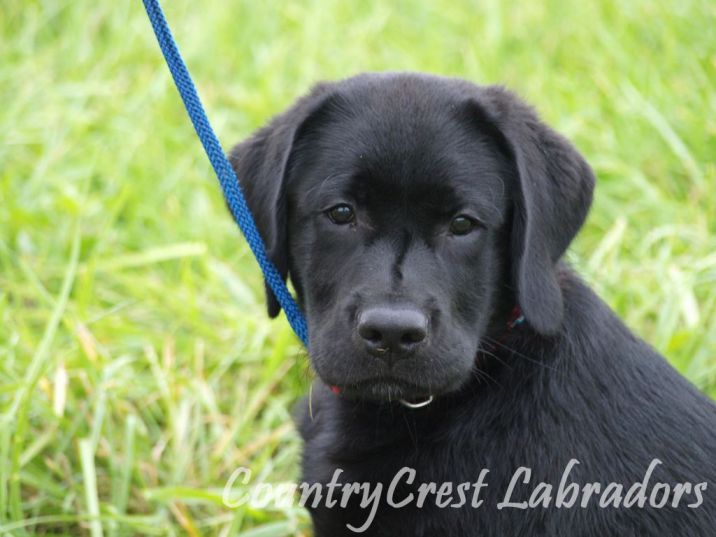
341	214
462	225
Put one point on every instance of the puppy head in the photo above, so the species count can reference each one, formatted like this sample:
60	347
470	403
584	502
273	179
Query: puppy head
411	212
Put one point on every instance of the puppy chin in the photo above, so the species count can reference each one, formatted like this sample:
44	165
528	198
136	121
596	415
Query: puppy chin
391	389
384	390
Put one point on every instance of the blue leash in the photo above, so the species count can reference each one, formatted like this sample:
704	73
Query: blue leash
225	173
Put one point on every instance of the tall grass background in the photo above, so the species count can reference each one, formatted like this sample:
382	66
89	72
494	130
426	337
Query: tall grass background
137	367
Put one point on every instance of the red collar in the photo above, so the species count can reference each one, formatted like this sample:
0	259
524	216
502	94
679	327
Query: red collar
515	319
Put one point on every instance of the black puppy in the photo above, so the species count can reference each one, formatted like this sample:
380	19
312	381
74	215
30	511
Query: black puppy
470	384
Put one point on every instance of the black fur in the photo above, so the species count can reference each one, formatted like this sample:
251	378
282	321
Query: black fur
408	153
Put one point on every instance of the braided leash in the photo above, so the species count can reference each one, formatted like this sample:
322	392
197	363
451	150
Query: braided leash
224	172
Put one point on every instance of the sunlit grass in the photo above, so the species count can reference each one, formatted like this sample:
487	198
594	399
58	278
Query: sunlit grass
137	368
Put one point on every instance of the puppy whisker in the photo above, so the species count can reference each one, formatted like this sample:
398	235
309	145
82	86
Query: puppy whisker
517	353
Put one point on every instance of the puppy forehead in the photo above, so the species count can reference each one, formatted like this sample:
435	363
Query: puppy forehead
404	146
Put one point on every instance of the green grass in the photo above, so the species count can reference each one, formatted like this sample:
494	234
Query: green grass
137	368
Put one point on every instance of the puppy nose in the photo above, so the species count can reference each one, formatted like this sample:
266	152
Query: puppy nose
392	332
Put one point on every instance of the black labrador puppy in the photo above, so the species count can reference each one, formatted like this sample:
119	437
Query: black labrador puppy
470	383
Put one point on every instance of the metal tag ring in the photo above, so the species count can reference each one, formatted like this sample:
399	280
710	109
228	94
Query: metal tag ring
415	406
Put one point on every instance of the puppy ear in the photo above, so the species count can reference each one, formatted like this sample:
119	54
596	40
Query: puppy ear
551	200
261	165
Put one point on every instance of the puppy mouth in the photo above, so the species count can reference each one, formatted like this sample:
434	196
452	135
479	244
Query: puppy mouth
383	389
